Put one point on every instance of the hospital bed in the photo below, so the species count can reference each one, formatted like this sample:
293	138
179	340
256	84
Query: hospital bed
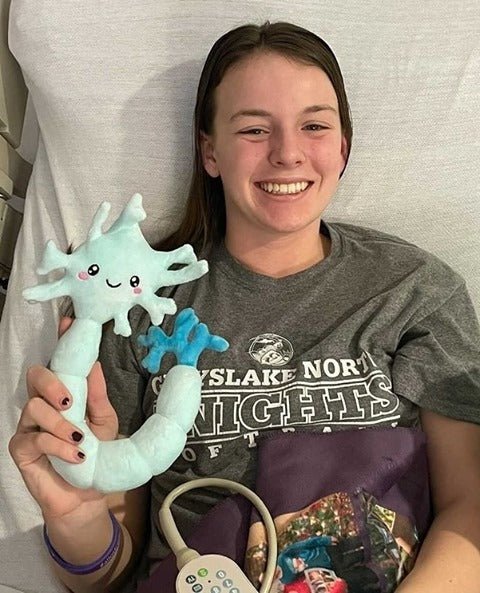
111	91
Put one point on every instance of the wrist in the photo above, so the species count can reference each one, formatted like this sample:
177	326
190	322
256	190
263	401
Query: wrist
81	512
95	565
104	573
81	537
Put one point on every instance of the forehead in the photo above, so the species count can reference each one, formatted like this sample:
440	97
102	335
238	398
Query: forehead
268	79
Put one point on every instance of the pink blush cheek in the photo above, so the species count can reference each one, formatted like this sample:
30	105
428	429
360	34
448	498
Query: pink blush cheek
82	275
137	290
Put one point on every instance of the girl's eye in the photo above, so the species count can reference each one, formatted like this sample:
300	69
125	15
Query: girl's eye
315	127
253	131
93	270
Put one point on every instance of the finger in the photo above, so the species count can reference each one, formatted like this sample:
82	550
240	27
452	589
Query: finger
39	415
97	387
64	324
100	411
41	382
29	448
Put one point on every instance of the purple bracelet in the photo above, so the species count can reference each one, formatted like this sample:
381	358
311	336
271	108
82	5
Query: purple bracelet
82	569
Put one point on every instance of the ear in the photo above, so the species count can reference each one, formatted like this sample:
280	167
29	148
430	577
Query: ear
208	155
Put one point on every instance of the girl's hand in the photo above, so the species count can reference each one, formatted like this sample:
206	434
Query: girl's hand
43	431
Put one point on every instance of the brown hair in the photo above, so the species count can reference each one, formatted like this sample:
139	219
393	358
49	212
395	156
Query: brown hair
204	219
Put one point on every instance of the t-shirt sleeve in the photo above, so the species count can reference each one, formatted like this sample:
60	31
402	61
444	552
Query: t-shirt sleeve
125	377
437	364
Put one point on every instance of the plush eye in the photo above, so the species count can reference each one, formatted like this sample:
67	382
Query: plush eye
134	281
93	270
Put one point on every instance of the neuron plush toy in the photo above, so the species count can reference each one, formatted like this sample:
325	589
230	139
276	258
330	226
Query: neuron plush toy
105	277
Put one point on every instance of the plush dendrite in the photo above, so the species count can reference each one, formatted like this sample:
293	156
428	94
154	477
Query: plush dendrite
105	277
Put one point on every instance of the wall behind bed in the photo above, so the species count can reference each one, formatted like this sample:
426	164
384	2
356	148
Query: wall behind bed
112	84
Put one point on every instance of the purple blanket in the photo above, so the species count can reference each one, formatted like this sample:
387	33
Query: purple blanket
354	501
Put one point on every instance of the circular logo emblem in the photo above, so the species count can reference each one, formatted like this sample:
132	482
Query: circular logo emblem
271	349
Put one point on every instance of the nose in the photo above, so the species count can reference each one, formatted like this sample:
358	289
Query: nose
286	149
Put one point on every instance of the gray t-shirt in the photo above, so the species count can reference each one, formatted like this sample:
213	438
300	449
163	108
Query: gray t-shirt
365	338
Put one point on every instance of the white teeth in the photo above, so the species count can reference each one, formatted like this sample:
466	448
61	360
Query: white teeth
284	188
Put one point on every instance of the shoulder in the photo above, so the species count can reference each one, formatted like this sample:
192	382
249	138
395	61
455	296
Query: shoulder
396	270
393	253
353	235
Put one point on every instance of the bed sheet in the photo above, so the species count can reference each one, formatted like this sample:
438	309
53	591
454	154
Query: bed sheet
112	84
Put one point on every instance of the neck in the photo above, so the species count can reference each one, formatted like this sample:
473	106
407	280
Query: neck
279	256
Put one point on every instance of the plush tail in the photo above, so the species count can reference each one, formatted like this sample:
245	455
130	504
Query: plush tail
123	464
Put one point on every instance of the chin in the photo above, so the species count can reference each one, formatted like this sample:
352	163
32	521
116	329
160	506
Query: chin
290	226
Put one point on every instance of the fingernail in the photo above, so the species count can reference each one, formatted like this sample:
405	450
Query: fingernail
77	436
65	401
81	454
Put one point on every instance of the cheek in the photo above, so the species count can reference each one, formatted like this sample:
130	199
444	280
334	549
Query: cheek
328	155
239	161
82	275
137	291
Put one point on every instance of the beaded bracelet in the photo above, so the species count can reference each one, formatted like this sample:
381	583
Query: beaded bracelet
82	569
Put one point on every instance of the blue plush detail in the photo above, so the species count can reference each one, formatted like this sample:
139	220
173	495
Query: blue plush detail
188	340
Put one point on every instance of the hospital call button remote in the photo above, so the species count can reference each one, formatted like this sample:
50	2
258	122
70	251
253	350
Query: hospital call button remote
213	573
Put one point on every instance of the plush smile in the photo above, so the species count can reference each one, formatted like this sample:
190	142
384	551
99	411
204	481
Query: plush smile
283	189
112	285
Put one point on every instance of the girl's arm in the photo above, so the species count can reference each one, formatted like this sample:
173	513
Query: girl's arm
449	560
93	538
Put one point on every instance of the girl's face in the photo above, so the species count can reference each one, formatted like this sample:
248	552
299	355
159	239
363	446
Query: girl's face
277	145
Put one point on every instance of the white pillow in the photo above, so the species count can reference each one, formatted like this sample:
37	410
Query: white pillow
113	88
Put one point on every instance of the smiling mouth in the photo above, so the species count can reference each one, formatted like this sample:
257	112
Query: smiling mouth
112	285
284	189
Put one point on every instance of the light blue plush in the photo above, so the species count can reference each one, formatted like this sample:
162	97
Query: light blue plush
105	277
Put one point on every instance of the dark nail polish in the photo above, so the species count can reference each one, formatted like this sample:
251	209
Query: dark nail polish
77	436
65	401
81	454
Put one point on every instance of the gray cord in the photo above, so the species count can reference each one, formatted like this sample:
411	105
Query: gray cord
184	554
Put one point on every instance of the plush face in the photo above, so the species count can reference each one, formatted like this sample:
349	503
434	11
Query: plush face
113	271
100	274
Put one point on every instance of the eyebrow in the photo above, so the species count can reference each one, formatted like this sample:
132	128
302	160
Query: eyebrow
263	113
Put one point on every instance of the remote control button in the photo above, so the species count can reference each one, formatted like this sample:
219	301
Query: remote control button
227	583
191	579
221	574
197	588
202	572
234	590
215	589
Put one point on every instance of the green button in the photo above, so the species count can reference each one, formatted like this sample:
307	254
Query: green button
202	572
